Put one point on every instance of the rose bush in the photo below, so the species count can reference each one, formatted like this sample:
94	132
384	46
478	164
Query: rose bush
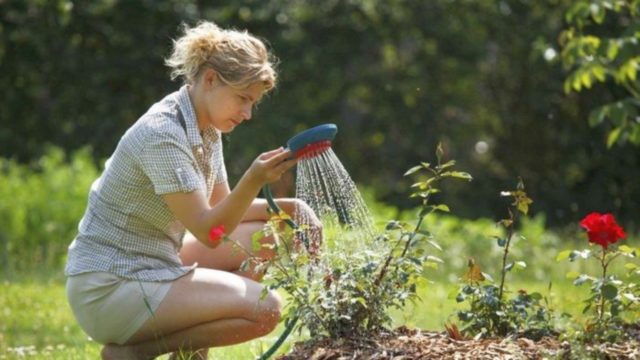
610	296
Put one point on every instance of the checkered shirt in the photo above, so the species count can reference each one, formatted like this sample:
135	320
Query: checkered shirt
127	228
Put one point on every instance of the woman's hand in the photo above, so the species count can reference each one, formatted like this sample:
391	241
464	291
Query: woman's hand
269	166
313	225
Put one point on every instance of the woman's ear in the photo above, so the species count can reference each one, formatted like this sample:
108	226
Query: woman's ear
210	79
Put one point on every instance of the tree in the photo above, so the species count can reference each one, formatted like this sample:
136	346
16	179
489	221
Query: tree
602	44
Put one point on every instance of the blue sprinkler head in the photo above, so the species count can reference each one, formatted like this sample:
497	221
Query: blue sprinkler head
313	141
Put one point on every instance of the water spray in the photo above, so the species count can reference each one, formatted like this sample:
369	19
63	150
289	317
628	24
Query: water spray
305	145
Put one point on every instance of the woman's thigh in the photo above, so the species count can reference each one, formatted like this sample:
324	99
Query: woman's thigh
226	256
207	295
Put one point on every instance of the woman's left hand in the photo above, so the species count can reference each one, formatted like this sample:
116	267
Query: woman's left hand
312	225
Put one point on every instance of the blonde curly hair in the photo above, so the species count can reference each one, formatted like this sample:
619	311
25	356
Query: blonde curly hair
239	58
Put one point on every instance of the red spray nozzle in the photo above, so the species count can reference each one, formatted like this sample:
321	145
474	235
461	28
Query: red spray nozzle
314	149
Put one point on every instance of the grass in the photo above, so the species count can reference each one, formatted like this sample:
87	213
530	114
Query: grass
36	322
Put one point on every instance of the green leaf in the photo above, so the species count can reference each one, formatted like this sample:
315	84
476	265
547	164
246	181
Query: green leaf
626	249
599	72
439	152
255	240
581	279
585	254
630	266
597	13
609	291
421	185
613	136
612	49
256	237
435	259
585	79
487	276
458	175
598	115
413	170
393	225
536	296
435	244
563	255
442	207
572	275
509	266
449	163
521	264
426	210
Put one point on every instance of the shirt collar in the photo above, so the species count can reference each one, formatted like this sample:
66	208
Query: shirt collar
189	114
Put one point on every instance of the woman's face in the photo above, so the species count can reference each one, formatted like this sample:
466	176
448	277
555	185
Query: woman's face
227	107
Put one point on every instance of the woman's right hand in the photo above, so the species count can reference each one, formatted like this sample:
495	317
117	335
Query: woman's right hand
269	166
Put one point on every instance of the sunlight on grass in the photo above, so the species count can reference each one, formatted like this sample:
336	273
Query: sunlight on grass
36	322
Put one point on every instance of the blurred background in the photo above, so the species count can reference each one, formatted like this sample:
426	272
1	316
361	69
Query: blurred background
486	78
545	90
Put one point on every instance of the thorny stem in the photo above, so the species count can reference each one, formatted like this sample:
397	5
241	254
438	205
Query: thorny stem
283	270
503	273
604	264
383	271
425	201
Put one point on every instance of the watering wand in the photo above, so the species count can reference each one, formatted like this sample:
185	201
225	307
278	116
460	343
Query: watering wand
307	144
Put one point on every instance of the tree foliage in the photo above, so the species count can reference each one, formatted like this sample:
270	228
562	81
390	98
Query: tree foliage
482	77
602	45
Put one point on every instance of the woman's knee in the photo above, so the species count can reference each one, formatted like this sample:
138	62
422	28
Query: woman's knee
269	312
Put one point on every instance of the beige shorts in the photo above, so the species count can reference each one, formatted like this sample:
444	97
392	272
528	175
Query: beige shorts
111	309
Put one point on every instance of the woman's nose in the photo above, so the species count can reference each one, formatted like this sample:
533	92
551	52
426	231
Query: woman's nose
246	112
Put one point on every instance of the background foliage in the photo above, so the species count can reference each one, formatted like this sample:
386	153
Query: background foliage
484	77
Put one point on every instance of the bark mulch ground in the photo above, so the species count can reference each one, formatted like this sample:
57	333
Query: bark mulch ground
405	344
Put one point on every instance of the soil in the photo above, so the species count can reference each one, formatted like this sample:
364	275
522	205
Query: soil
404	344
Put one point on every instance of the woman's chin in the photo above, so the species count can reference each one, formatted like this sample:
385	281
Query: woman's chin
226	129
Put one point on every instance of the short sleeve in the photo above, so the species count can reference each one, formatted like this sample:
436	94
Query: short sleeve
168	162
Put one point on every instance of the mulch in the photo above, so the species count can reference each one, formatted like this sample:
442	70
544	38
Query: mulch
404	344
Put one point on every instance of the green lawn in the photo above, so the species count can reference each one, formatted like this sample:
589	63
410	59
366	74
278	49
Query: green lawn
36	322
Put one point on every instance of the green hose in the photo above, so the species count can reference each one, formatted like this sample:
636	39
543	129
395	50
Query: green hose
290	323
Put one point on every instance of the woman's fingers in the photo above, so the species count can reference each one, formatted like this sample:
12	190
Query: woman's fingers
270	166
270	154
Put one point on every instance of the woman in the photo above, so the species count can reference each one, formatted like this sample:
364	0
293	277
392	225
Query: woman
136	282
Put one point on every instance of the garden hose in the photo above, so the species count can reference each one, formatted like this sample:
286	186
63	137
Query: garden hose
307	144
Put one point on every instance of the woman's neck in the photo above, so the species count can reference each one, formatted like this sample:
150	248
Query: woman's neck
198	102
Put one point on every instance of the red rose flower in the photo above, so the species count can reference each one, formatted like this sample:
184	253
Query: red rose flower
216	233
602	229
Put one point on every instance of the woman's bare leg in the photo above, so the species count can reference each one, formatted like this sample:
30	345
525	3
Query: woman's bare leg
227	256
203	309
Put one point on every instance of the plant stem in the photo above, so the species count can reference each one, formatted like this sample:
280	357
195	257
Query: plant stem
604	276
503	273
383	271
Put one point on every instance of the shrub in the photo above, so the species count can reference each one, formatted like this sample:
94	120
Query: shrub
347	291
44	203
492	311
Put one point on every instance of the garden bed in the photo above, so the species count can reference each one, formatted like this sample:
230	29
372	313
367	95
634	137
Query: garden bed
405	344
